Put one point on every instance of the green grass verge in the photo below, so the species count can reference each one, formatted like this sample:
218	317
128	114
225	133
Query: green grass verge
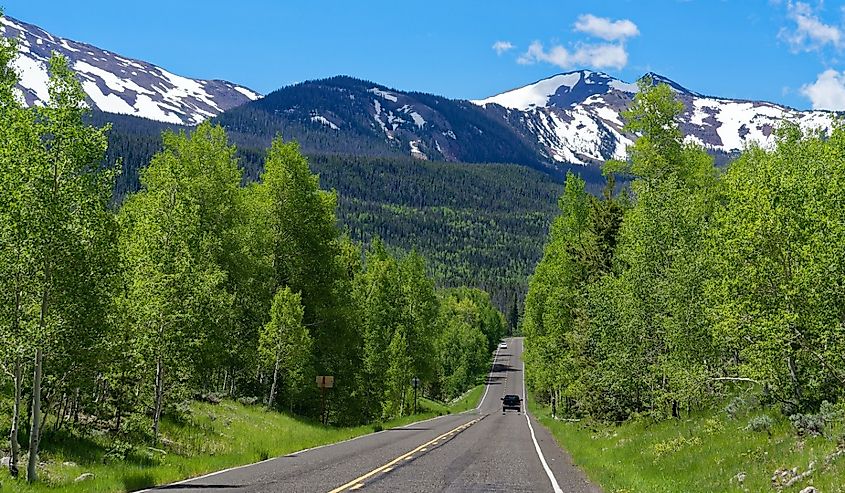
216	437
464	403
704	453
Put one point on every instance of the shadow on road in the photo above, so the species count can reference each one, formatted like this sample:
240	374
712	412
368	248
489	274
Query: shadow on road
201	486
498	367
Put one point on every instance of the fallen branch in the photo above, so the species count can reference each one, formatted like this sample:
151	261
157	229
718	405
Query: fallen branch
736	379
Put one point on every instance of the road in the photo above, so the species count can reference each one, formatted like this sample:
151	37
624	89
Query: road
478	451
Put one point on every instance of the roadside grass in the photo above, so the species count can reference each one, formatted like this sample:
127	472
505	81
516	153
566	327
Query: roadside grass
469	400
215	437
703	453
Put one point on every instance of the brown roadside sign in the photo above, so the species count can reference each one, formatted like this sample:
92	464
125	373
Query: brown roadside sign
325	381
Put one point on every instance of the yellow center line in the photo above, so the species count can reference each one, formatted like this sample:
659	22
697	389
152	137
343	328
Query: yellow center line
358	482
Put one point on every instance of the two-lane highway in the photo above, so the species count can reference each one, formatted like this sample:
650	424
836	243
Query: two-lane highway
477	451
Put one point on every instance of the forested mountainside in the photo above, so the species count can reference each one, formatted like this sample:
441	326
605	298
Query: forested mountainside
477	224
350	116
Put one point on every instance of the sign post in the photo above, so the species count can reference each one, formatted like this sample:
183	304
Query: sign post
324	382
416	383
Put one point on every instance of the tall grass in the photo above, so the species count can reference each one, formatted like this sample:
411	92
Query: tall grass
708	452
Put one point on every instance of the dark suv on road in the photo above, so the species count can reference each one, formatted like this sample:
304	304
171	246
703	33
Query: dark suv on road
511	401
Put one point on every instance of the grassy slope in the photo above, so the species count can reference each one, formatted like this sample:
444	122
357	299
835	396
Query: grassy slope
463	403
699	454
217	437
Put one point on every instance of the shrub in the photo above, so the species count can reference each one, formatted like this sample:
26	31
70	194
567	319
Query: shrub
673	445
248	401
713	425
761	423
137	428
740	405
118	452
831	413
211	397
808	424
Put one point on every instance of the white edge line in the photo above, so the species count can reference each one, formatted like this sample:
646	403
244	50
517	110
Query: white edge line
490	374
549	473
235	468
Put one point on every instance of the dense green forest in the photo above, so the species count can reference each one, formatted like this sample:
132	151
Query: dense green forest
696	284
200	285
477	224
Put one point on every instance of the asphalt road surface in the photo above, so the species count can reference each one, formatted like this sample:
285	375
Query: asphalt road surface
478	451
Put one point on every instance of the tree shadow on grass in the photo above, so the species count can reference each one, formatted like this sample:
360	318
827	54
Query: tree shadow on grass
73	447
137	481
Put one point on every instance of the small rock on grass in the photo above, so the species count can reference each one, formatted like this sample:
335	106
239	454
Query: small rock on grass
809	489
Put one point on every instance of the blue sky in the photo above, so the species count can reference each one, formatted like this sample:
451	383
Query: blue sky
778	50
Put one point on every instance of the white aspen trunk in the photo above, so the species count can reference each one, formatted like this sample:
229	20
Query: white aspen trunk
793	376
158	397
16	418
35	431
275	381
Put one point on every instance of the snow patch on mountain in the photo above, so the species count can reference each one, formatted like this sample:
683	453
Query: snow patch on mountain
384	94
532	95
415	150
577	117
115	84
325	121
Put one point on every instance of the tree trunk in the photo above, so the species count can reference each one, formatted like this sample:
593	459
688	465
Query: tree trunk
60	415
35	420
16	417
158	397
76	407
118	415
275	380
793	376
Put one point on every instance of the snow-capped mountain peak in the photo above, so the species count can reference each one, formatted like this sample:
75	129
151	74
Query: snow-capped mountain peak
660	79
559	91
115	84
576	117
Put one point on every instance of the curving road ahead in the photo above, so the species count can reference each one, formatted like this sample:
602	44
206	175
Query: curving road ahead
477	451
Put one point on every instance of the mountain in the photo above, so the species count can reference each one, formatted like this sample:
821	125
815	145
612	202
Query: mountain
576	117
572	118
344	115
116	84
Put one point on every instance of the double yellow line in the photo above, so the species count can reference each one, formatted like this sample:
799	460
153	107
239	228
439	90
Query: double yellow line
358	483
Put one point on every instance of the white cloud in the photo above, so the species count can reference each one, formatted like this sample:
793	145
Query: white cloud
810	33
611	53
502	46
603	55
827	92
604	28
